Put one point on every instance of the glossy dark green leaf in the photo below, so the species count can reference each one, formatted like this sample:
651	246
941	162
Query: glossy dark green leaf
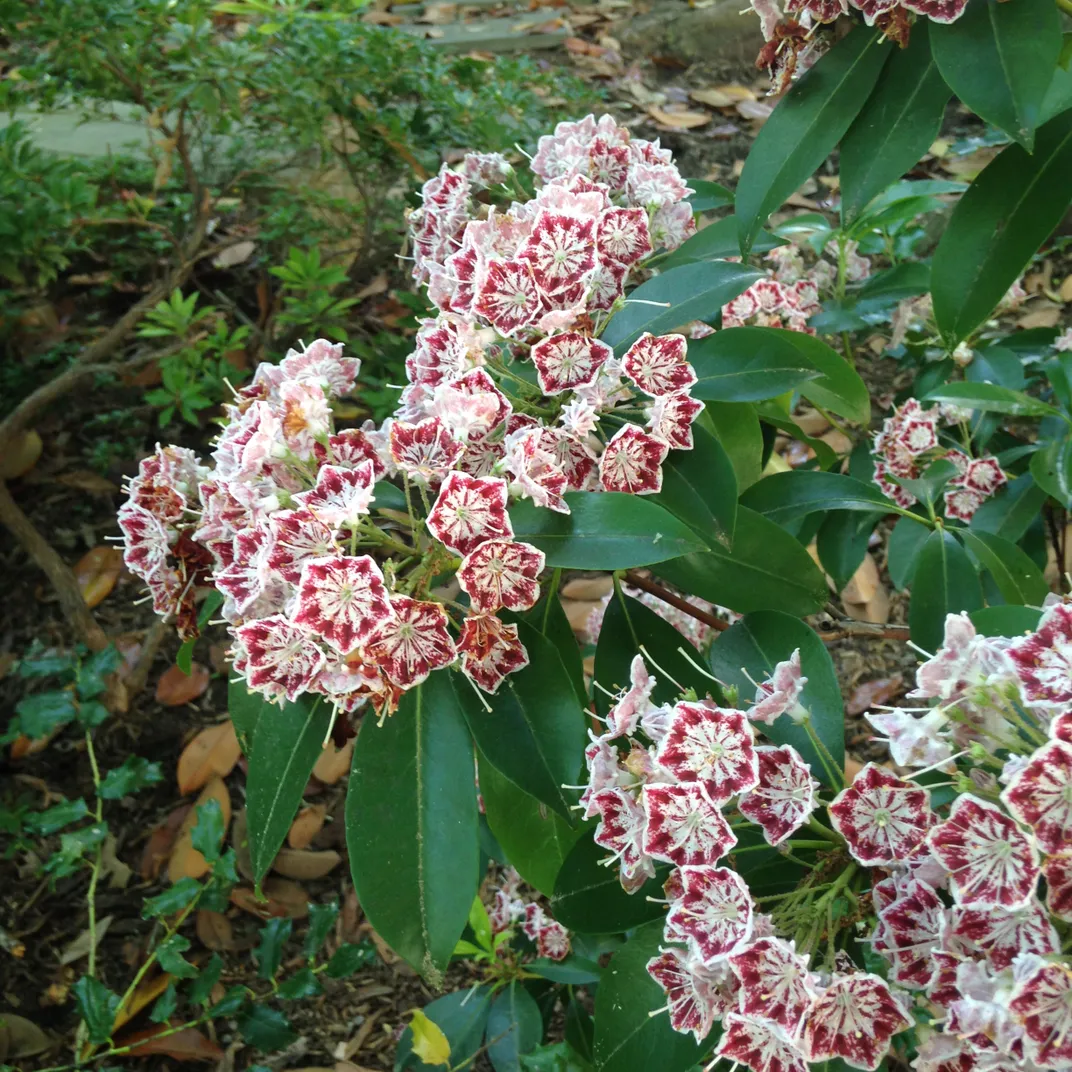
782	497
573	970
589	897
209	829
991	398
462	1017
842	542
321	919
549	619
1052	469
245	709
288	742
805	126
945	582
411	825
97	1005
169	955
1012	511
57	817
902	551
351	957
604	531
1000	62
1059	96
515	1026
708	195
998	225
269	955
896	126
42	714
201	988
302	984
736	426
756	644
689	292
1007	621
700	488
532	729
716	241
628	1038
746	365
1018	578
174	899
773	414
164	1007
767	568
136	773
534	838
266	1029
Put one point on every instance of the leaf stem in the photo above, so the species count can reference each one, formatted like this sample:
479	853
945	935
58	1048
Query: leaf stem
830	765
94	876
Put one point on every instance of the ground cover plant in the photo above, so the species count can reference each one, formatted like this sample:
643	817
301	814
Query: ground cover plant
662	857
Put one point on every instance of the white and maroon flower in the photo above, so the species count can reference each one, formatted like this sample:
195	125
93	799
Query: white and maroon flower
1042	1003
507	295
1040	796
469	511
249	575
961	503
1002	934
775	982
606	285
632	462
490	650
785	795
990	859
305	416
501	573
342	599
1044	659
632	703
758	1044
713	913
348	449
341	497
552	940
1057	871
297	535
670	419
653	185
937	10
687	989
713	746
657	364
561	250
568	360
622	235
570	454
1061	727
983	475
913	927
914	742
781	693
280	658
882	817
425	450
321	363
964	662
146	544
854	1019
412	643
621	830
683	825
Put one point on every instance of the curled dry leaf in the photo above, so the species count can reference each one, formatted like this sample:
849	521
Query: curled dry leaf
185	861
1066	289
87	480
24	746
306	826
146	992
234	255
81	945
333	763
213	751
679	120
185	1045
713	98
96	572
176	688
161	840
282	898
880	691
20	1037
214	930
306	864
21	456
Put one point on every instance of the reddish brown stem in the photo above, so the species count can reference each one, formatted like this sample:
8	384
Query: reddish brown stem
653	588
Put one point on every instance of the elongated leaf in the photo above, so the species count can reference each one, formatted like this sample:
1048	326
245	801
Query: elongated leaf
805	126
533	733
589	897
736	426
549	620
1007	621
842	542
994	231
781	497
700	488
245	708
1052	469
411	825
604	531
1000	63
717	241
838	386
534	838
515	1026
1012	511
707	195
767	568
628	1038
688	292
1018	578
945	582
992	398
902	552
1059	96
756	644
896	126
288	743
461	1016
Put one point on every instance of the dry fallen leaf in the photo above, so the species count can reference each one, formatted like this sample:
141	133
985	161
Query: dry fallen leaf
679	120
147	991
214	930
20	1037
185	1045
97	571
880	691
864	583
281	898
87	480
1041	315
117	872
438	14
306	826
21	456
176	688
377	286
713	98
214	750
305	864
333	763
382	18
736	91
1066	289
158	847
234	255
81	945
185	861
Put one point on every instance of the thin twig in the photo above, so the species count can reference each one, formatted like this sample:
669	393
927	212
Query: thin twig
874	630
655	589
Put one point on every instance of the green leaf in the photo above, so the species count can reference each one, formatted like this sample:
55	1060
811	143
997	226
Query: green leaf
573	971
707	195
550	621
266	1029
185	655
842	542
1059	96
321	919
288	742
349	958
767	568
736	426
902	552
991	398
97	1006
782	497
200	989
773	414
556	1057
747	365
580	1029
532	729
234	1000
92	713
628	1037
135	773
164	1007
998	225
515	1026
208	831
411	825
805	126
245	709
838	386
1018	579
43	713
689	292
1012	511
171	900
170	957
589	897
57	817
759	641
1007	621
94	670
462	1017
1000	63
1052	469
896	125
717	241
604	531
302	984
700	488
945	582
534	838
269	955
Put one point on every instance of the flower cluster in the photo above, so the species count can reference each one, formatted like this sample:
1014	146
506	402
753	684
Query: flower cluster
908	442
773	303
511	908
